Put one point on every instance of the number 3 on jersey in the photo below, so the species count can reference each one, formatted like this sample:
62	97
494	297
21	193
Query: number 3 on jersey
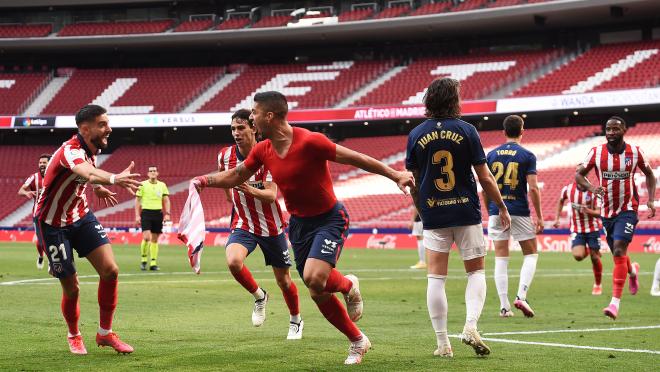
510	176
448	181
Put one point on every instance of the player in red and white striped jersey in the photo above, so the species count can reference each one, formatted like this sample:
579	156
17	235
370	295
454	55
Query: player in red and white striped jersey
615	163
257	219
585	225
30	189
65	223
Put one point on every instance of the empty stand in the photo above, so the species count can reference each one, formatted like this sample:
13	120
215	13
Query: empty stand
196	25
273	21
479	76
616	66
305	85
356	15
21	31
397	10
116	28
432	8
153	90
234	23
18	90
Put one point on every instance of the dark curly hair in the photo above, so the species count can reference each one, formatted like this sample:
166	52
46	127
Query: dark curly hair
442	99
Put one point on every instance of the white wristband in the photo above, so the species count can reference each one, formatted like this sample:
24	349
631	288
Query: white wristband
112	179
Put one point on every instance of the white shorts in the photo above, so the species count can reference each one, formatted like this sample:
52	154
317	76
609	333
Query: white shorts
469	240
418	229
521	229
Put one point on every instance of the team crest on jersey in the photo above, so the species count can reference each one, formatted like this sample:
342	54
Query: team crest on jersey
628	162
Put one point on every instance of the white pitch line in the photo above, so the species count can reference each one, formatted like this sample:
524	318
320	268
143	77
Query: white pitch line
53	281
570	330
569	346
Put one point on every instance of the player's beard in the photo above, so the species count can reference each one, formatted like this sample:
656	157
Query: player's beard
42	171
99	143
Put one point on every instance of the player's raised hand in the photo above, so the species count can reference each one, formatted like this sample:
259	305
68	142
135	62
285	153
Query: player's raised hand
106	196
405	179
200	182
651	205
126	179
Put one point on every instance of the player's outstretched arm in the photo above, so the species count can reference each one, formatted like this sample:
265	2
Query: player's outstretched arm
535	195
650	188
492	192
224	180
365	162
125	179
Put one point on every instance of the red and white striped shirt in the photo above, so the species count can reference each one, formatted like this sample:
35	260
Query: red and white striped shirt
616	174
34	183
249	213
63	201
581	223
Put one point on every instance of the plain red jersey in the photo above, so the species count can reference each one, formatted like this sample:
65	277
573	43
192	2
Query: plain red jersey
302	175
62	200
581	223
35	183
249	213
616	174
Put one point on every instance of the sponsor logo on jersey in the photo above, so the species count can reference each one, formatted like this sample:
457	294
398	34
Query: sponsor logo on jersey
616	175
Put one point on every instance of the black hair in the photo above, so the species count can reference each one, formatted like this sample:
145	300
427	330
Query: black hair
44	155
274	102
513	126
243	114
89	113
619	119
442	99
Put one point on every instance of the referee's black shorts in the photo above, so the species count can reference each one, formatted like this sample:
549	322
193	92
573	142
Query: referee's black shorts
152	220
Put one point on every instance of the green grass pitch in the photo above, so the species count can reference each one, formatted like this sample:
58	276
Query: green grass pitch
179	321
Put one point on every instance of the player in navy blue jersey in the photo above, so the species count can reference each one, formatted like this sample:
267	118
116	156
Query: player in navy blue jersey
441	153
514	168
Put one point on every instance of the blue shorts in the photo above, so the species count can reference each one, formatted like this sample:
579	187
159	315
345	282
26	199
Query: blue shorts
275	248
84	235
321	237
620	227
590	240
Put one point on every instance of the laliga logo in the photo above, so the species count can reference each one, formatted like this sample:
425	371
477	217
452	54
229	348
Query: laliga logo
651	246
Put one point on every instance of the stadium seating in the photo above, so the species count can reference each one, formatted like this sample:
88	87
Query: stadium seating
234	23
17	90
155	90
356	15
469	5
615	66
273	21
115	28
479	76
397	10
432	8
329	83
197	25
19	162
21	31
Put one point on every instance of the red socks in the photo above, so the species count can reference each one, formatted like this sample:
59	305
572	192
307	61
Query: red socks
597	267
71	311
619	275
291	299
336	314
107	302
244	277
337	283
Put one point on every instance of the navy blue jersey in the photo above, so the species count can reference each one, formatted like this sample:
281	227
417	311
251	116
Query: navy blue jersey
510	163
443	152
